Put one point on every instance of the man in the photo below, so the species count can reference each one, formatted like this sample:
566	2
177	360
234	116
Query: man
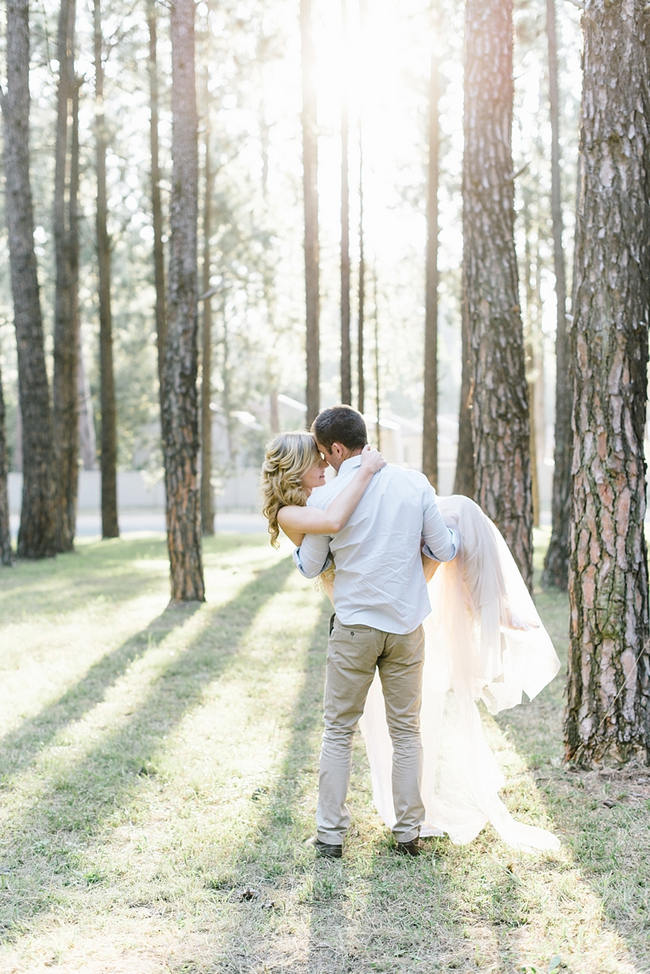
380	601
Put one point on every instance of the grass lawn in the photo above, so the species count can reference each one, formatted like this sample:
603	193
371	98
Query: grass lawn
158	780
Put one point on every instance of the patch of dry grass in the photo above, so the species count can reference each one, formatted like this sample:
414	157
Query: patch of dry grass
158	780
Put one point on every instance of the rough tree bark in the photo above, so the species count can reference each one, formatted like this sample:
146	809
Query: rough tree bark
430	406
608	694
500	422
310	202
37	531
66	301
108	448
5	533
180	406
556	559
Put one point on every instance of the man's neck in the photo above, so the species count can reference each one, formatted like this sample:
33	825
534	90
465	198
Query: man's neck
350	456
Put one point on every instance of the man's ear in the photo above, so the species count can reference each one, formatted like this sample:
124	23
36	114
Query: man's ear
338	450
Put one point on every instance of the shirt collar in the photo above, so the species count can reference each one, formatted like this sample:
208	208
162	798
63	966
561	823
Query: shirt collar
351	463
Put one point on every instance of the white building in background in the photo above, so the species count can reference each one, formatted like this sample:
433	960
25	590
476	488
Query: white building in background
400	441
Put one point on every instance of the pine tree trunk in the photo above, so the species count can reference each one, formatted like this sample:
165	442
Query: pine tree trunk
500	421
156	203
376	358
465	477
207	493
310	200
66	311
430	407
346	366
6	557
18	441
87	439
608	703
268	274
180	406
530	341
37	532
557	556
108	463
226	381
538	413
361	295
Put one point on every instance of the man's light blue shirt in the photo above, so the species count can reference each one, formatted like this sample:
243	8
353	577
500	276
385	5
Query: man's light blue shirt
379	579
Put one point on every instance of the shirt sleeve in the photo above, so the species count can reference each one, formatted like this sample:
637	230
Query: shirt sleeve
313	555
440	542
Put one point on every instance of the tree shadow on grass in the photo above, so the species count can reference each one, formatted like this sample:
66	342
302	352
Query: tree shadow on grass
74	579
42	844
18	747
602	818
357	912
278	857
21	745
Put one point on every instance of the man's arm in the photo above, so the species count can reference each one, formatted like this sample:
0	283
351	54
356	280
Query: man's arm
313	555
440	542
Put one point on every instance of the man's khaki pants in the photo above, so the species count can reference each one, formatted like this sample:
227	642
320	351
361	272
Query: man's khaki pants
353	652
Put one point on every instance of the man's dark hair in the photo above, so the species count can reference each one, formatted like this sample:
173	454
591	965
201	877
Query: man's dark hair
340	424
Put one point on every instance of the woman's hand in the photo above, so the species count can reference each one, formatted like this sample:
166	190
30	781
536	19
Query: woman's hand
372	459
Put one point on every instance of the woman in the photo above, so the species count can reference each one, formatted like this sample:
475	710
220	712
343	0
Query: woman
484	638
484	641
292	468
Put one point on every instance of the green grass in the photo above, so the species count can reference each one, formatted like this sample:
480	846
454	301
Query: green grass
158	780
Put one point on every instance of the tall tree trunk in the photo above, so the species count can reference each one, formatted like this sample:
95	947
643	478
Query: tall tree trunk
108	462
5	532
465	477
180	407
557	556
377	369
207	493
500	421
156	203
430	408
66	310
310	200
530	344
18	440
361	296
37	532
226	377
268	274
346	367
538	414
87	439
608	702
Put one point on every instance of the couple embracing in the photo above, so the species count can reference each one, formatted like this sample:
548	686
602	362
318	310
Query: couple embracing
376	536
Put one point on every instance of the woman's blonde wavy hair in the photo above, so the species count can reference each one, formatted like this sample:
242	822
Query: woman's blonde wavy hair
288	457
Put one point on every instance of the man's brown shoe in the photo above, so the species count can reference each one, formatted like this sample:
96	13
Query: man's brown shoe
412	848
325	849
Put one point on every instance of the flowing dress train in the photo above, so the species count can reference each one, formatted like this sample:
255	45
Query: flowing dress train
484	641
